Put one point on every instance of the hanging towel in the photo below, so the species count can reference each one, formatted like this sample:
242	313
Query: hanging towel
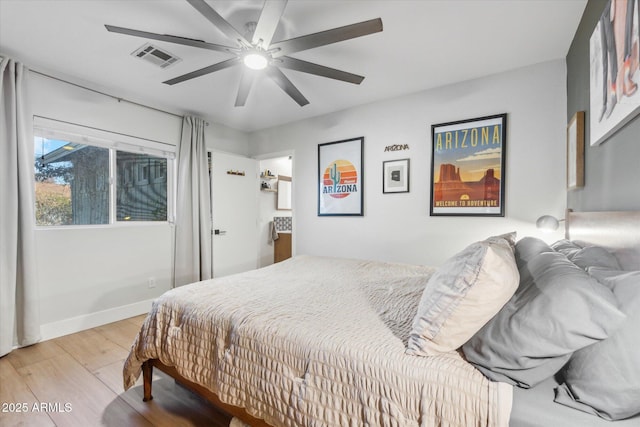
273	235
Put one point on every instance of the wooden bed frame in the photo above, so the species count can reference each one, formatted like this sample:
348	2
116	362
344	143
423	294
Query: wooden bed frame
615	230
211	397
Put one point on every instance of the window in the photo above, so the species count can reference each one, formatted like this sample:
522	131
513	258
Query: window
86	176
143	199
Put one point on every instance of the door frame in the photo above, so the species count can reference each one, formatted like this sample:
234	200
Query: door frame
286	153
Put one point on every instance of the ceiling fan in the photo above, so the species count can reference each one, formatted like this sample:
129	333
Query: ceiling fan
257	51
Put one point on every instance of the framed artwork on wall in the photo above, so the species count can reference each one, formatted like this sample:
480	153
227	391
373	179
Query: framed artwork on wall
575	151
395	176
468	167
340	178
614	74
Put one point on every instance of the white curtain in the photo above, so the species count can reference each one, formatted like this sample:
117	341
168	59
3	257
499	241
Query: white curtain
19	310
193	216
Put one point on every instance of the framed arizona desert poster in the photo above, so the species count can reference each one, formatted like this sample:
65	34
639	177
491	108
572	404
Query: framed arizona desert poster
614	73
468	167
340	190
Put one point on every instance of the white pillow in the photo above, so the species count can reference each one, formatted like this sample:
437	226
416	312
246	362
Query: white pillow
463	295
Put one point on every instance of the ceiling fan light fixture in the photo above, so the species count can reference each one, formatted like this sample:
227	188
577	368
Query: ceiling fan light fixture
255	60
256	48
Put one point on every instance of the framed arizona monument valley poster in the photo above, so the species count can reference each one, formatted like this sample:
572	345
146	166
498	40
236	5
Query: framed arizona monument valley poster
468	167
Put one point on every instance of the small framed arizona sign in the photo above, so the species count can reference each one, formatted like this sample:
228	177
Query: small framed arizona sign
340	180
467	167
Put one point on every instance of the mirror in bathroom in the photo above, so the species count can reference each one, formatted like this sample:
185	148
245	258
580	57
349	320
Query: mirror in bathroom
284	192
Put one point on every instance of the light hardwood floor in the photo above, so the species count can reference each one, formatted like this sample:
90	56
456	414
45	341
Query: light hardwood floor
76	380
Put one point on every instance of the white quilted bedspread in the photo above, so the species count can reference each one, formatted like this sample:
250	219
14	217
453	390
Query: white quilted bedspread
316	342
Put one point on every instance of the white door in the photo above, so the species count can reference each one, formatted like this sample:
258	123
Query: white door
234	199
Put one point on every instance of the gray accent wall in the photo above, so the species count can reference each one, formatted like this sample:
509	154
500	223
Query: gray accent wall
612	169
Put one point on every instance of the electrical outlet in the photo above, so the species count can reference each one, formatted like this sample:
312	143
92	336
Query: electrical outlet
151	282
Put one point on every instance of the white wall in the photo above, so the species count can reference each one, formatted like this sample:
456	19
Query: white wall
94	275
267	208
397	227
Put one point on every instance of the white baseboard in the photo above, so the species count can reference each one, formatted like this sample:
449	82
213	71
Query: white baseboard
80	323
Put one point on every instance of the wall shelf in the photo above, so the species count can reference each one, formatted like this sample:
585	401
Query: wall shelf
266	182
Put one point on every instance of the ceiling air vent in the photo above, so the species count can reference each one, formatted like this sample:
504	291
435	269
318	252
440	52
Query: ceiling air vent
158	57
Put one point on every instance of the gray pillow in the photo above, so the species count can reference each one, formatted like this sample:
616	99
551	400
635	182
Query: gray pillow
557	310
528	248
586	256
566	247
604	379
601	274
594	256
525	250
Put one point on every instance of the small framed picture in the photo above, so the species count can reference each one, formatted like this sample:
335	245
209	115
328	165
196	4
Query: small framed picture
395	176
575	151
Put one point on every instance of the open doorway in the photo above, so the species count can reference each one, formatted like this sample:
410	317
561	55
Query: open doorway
275	209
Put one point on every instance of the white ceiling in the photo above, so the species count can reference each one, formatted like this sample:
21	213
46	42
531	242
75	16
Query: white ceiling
424	44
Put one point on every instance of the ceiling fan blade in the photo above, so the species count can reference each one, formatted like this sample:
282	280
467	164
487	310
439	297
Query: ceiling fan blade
322	38
319	70
268	22
220	23
203	71
171	39
246	81
285	84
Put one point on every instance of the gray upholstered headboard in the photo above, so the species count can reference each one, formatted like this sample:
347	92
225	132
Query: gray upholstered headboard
618	231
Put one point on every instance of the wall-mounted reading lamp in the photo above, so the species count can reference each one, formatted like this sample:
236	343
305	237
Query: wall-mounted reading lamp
548	223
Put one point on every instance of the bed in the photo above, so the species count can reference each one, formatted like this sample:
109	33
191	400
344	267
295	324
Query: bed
619	233
323	341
